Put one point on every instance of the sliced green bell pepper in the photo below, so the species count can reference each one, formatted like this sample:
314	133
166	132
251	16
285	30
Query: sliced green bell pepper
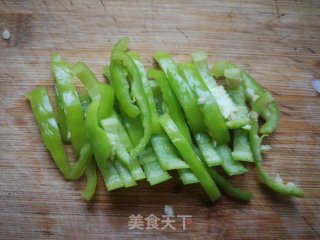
213	118
186	151
139	94
156	128
66	89
225	103
289	189
48	127
183	92
171	102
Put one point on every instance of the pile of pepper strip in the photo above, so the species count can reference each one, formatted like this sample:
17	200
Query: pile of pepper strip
146	123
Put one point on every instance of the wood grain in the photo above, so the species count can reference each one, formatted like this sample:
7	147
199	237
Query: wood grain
277	41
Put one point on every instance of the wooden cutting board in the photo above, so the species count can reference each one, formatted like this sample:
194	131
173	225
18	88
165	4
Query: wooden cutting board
277	41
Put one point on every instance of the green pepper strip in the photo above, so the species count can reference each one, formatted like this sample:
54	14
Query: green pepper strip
61	118
66	89
49	130
124	174
260	104
237	94
223	183
136	170
111	129
180	87
156	128
98	138
213	118
90	188
229	165
241	146
80	166
48	126
96	90
119	80
207	149
171	102
289	189
187	176
155	174
225	103
270	114
139	94
163	147
87	77
112	179
161	144
119	142
186	151
228	188
166	153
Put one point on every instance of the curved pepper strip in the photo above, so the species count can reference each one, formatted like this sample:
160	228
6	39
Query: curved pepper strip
228	188
180	87
90	188
49	130
289	189
186	151
88	79
98	139
141	98
212	116
272	117
156	128
71	104
171	101
270	114
223	183
119	81
260	104
97	91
